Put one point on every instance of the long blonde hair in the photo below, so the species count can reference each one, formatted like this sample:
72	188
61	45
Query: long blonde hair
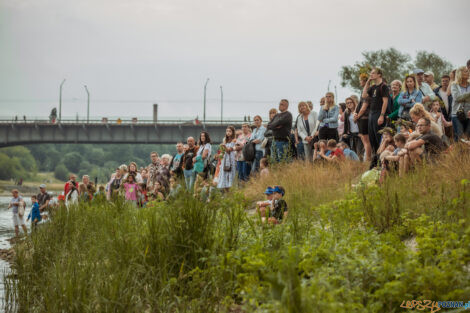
326	106
458	75
419	110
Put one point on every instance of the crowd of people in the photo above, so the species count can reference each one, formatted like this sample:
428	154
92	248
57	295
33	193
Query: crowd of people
391	126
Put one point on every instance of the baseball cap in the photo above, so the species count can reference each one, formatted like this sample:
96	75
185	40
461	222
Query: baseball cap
42	186
417	71
429	73
269	191
279	189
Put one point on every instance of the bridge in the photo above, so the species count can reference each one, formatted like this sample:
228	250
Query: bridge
18	132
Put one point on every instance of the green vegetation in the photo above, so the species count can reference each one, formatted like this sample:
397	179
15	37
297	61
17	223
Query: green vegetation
353	250
61	159
395	64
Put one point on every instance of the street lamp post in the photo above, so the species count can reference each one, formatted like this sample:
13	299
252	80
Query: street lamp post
221	105
88	105
205	88
60	100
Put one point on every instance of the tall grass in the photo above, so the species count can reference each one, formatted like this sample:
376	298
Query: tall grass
339	250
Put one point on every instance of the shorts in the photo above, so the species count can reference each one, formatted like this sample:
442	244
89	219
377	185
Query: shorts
363	125
17	220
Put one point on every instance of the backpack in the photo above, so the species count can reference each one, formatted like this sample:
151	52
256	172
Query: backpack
249	151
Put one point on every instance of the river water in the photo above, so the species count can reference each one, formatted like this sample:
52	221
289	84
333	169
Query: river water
7	231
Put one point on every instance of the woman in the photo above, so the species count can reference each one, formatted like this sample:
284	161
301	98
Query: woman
306	127
409	95
395	87
257	137
15	203
243	166
460	90
418	111
268	142
202	158
328	118
115	183
133	170
228	164
351	129
361	117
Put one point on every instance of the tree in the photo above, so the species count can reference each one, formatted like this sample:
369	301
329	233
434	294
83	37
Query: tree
430	61
61	172
72	160
394	64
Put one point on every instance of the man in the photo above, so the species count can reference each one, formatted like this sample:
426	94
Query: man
441	93
153	169
429	79
468	65
43	198
176	166
280	126
428	94
15	202
68	185
188	163
427	145
379	96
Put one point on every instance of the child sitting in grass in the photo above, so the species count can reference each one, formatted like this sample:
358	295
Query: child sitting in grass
263	206
279	211
334	153
35	214
263	164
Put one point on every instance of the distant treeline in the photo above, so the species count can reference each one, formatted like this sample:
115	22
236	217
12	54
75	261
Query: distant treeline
96	160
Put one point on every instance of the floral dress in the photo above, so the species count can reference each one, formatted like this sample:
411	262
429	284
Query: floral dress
226	178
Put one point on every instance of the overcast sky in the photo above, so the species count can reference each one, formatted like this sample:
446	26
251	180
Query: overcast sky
132	53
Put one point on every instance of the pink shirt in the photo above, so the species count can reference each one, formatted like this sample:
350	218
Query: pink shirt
131	191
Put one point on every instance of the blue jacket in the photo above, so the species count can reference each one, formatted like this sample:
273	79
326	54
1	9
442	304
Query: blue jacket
405	100
35	212
329	117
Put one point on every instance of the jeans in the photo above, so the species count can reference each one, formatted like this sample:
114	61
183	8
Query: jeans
308	150
460	128
300	151
256	161
280	151
374	127
189	178
243	169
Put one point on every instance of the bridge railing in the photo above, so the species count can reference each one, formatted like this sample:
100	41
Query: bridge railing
105	121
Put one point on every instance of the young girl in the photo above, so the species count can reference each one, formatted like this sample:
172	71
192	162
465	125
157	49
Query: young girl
263	164
438	116
132	189
158	192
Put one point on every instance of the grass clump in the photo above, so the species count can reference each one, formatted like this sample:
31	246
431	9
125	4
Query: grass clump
339	250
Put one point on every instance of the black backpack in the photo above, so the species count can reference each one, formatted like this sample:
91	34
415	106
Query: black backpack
249	151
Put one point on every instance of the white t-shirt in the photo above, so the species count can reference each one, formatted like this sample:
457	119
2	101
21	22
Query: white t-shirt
205	147
445	98
353	128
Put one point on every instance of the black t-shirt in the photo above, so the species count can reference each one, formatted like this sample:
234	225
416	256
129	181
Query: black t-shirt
433	145
188	158
377	93
280	206
42	198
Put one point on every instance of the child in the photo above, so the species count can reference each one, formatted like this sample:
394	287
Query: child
131	188
263	164
279	211
158	192
175	188
400	141
83	193
319	148
262	206
438	116
34	215
334	153
100	195
348	153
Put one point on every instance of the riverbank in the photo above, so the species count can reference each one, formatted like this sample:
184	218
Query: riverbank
31	186
341	249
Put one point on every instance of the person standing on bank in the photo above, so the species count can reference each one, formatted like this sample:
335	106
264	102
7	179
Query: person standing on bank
188	163
379	94
15	203
306	127
257	136
228	165
328	118
43	198
281	126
